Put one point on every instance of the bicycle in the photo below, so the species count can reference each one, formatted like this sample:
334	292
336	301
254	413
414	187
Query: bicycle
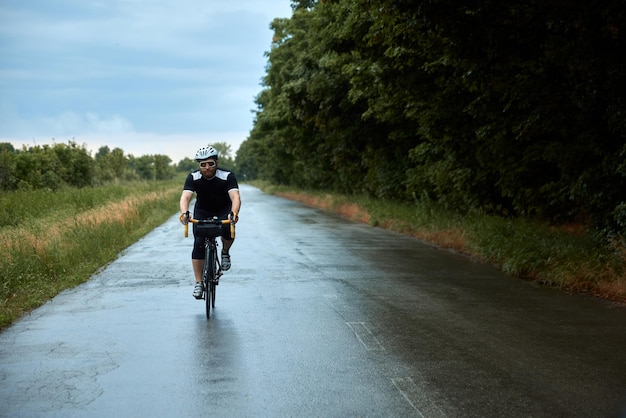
210	229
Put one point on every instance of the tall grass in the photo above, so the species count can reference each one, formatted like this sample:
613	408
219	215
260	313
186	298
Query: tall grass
21	206
53	241
570	258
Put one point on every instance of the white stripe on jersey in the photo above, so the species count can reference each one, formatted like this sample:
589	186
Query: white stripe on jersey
220	174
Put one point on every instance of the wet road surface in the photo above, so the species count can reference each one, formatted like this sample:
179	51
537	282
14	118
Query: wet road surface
317	317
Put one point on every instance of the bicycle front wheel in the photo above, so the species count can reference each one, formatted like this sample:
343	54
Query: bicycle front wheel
209	276
213	288
213	280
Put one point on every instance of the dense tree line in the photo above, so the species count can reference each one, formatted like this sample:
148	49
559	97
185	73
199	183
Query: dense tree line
62	165
70	165
515	108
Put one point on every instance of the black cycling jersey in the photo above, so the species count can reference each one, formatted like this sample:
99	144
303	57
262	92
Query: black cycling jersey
211	194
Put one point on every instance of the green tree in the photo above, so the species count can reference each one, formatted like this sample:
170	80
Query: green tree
225	155
187	165
513	108
72	164
104	173
144	167
7	146
163	170
7	167
53	167
110	165
117	162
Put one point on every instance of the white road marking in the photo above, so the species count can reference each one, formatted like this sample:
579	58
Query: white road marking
365	336
422	404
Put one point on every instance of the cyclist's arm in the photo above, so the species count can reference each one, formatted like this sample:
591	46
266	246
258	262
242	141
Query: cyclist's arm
235	199
185	200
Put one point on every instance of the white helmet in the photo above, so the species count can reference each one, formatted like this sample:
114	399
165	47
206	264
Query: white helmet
205	153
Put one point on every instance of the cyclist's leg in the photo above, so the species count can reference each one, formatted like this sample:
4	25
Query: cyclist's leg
198	286
198	252
198	267
226	244
197	262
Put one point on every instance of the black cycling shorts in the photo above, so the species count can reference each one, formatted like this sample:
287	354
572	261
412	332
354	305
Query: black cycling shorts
198	251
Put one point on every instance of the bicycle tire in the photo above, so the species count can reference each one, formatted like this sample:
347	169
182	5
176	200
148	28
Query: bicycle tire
214	273
213	267
208	276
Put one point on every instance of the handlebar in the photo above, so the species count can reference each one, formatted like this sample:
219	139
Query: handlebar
211	221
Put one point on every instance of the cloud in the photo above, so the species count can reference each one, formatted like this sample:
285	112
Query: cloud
89	123
121	72
69	124
93	132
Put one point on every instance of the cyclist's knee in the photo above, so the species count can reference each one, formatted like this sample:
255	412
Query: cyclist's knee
198	249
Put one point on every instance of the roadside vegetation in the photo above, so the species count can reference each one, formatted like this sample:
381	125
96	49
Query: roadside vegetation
51	241
513	111
568	257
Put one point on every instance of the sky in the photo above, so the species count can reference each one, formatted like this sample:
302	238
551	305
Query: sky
148	76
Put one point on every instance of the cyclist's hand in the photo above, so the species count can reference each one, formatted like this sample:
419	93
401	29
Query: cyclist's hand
233	217
184	218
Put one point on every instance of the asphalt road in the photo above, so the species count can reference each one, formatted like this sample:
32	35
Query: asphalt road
317	318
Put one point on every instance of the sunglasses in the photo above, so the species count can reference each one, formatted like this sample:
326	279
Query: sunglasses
210	163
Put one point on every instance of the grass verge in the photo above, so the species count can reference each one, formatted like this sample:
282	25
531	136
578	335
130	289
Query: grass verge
569	258
60	244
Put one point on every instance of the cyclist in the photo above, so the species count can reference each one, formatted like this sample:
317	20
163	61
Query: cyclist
217	194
